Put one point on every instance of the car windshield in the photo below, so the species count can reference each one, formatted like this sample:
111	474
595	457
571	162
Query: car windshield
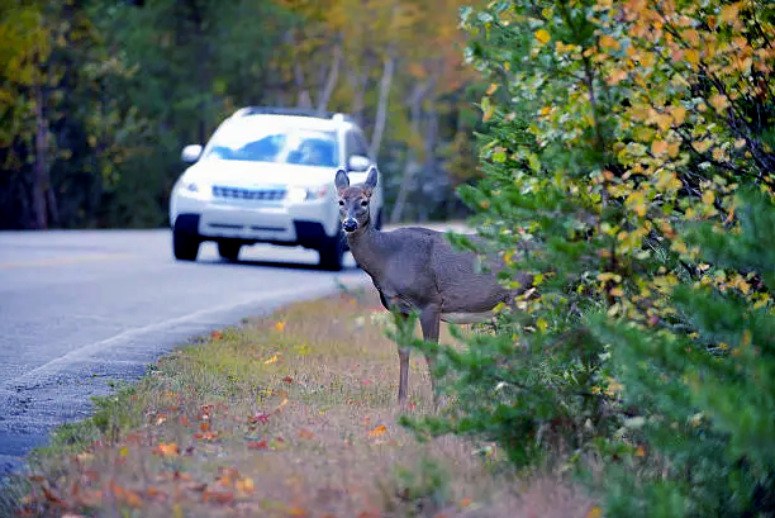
287	146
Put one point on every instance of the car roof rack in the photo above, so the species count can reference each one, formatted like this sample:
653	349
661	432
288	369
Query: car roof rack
298	112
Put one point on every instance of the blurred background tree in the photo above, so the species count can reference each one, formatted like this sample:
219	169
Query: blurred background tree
97	98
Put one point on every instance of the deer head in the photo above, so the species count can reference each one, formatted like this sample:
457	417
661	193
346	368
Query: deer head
354	200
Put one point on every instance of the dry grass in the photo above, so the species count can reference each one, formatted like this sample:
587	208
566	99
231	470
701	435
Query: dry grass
291	415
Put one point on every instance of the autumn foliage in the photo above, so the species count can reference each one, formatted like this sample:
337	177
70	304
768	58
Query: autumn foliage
616	131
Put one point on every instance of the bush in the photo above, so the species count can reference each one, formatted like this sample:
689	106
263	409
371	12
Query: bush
618	138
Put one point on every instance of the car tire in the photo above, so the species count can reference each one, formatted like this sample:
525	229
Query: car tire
332	253
185	245
229	250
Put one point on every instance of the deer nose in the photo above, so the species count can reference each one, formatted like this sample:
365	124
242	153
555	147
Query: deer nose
349	225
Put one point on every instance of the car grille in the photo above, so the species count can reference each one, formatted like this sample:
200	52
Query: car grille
236	193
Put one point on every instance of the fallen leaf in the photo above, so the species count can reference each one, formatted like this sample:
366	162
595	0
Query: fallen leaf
258	445
465	502
279	326
217	497
259	417
595	512
245	485
271	360
378	431
167	449
51	496
206	436
126	496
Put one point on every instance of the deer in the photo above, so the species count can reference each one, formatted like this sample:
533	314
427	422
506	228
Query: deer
416	270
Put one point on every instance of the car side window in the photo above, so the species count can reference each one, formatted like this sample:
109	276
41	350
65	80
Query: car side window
356	145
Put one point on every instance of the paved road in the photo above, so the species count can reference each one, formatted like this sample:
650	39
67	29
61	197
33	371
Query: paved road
79	309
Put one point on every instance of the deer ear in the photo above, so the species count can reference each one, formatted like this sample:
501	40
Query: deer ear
371	179
341	181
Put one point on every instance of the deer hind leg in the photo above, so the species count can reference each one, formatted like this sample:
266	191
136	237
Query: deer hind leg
429	321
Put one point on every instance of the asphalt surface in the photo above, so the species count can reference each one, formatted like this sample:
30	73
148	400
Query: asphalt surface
80	310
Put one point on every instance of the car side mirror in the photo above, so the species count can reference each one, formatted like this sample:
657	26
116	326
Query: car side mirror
191	153
358	163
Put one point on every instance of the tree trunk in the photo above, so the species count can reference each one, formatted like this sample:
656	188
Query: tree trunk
331	80
429	184
40	176
412	165
303	100
358	82
382	105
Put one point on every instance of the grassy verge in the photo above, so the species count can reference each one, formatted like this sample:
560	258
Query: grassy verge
289	415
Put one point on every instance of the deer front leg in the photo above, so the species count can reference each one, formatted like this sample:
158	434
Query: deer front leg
429	321
404	335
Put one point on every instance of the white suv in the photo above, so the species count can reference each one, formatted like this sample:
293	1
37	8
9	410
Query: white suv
267	176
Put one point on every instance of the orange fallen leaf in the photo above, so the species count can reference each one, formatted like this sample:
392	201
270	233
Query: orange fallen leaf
167	449
378	431
206	436
279	326
271	360
126	496
245	485
595	512
217	497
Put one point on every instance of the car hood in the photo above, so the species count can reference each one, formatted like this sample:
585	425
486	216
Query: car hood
238	173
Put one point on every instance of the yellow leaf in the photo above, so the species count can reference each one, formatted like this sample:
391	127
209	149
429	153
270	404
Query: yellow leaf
729	13
595	512
378	431
659	147
271	360
279	326
719	102
692	56
708	197
678	113
543	36
491	89
542	325
607	42
616	77
718	154
673	149
701	146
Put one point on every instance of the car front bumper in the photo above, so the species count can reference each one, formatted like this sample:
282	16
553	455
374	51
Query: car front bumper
307	223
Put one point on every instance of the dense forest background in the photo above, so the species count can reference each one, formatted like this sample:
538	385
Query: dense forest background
98	97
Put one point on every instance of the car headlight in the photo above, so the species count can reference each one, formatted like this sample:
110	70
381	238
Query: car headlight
299	194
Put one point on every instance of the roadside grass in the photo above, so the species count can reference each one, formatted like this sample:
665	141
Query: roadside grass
289	415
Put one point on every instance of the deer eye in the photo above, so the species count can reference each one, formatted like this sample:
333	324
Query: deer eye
341	203
364	203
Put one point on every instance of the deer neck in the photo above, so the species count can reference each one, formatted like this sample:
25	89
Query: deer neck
369	250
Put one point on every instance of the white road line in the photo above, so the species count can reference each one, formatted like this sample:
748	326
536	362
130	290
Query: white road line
83	353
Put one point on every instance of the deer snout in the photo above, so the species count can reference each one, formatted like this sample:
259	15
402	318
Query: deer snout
349	225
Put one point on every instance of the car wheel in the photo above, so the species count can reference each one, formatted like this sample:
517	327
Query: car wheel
332	253
229	250
185	245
